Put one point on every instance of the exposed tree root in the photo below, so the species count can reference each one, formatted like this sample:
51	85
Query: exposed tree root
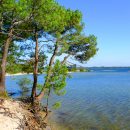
37	119
33	116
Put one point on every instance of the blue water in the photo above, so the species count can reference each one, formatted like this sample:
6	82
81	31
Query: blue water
94	101
109	69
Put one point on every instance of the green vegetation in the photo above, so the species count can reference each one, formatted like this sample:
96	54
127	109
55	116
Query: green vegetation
78	69
4	95
82	70
24	82
57	105
72	69
29	31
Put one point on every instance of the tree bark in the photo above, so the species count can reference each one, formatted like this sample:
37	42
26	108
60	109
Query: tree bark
40	96
3	62
35	73
65	58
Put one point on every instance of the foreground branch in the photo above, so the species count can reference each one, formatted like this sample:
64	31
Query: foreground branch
40	96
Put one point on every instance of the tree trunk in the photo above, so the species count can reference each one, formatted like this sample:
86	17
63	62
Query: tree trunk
65	58
40	96
3	62
35	73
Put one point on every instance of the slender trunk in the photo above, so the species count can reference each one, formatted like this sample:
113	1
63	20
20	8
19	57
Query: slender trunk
3	62
46	108
65	58
35	73
40	96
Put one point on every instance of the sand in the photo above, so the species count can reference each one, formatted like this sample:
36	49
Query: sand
14	115
11	115
7	74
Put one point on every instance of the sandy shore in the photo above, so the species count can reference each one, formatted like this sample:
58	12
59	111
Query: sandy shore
11	115
14	115
7	74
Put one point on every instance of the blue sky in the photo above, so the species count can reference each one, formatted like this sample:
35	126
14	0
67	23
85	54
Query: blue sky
109	20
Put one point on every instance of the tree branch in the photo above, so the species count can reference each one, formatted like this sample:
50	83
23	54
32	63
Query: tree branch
65	58
39	97
23	30
21	21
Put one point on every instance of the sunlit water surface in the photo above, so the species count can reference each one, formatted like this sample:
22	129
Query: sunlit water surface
94	101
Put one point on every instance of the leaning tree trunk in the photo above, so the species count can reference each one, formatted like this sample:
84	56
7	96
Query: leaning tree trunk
65	58
41	95
35	73
3	62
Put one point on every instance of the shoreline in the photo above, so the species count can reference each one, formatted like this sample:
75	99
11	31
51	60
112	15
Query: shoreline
17	74
18	115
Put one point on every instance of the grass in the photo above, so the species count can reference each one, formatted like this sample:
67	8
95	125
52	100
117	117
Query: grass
4	95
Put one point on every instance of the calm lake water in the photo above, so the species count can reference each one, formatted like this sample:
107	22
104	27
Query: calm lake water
94	101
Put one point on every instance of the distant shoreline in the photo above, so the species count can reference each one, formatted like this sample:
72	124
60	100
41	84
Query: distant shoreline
17	74
7	74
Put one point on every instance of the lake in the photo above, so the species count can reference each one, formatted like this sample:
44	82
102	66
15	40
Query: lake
94	101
